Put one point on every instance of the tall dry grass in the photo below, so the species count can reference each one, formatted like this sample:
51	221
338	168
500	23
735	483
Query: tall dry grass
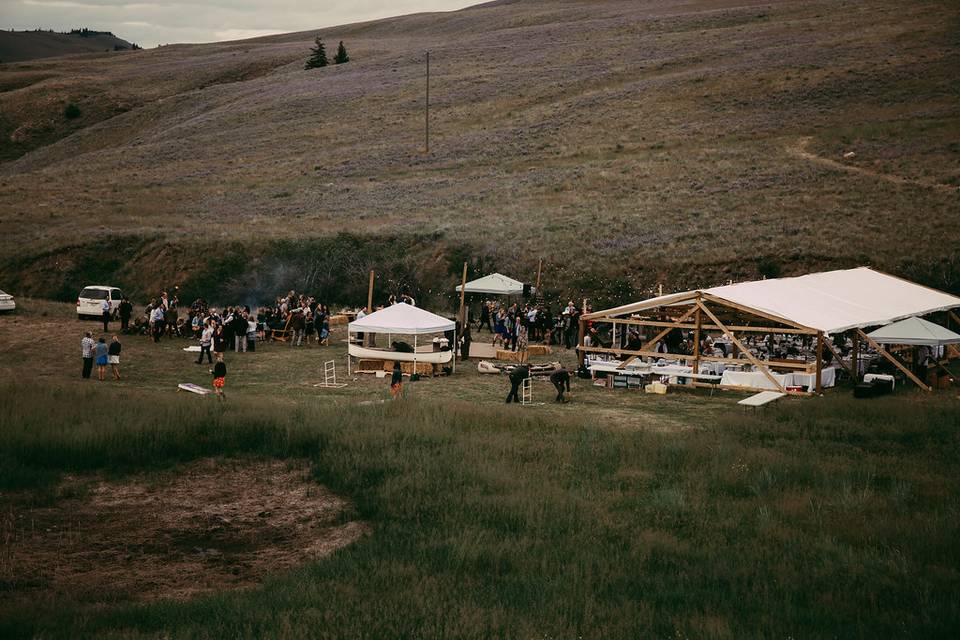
819	519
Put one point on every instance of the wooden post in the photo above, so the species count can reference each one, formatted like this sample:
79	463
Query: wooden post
462	314
539	269
696	341
370	293
819	362
582	355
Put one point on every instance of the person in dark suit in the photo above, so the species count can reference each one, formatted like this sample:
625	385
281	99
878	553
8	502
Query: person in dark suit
517	376
561	381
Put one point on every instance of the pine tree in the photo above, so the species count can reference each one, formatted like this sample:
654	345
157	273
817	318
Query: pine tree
341	56
318	56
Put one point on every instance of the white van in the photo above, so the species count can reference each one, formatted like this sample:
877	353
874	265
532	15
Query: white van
90	299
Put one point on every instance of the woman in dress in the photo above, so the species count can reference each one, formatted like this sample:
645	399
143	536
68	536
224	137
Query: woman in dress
523	340
100	352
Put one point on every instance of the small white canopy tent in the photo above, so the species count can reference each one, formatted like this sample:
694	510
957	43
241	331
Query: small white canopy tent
915	331
401	319
495	284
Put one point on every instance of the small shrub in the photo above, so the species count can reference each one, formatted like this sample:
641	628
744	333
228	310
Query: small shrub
71	112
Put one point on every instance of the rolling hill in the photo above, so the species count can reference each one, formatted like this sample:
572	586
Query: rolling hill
17	46
625	143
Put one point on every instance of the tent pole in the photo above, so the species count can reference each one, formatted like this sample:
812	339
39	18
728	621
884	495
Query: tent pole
349	372
819	362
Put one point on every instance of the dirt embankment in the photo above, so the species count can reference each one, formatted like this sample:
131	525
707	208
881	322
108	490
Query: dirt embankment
212	526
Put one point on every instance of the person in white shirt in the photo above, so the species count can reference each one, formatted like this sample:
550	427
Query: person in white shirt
206	340
105	314
86	351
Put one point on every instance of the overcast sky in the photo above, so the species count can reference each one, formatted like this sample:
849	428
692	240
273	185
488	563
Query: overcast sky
153	22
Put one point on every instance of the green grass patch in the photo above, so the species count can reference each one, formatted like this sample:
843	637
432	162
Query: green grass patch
822	518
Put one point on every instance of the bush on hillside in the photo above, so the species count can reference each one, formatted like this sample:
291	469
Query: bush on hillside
71	112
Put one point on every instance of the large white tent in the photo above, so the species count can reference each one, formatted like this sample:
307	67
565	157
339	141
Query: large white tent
402	318
495	284
831	302
914	331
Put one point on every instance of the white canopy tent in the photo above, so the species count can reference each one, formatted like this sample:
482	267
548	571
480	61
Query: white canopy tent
403	319
915	332
495	284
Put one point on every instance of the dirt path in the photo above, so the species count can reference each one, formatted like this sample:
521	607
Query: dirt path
800	150
209	526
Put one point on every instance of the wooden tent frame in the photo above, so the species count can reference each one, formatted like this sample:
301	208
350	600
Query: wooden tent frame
698	312
714	314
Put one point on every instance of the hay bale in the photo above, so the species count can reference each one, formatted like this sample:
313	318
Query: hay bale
370	365
338	320
539	350
423	368
509	356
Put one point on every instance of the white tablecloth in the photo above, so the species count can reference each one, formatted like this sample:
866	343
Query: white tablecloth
758	380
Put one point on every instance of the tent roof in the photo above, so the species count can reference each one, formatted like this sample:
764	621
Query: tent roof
831	301
495	284
915	331
402	318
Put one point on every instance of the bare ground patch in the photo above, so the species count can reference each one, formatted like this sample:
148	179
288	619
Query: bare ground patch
210	526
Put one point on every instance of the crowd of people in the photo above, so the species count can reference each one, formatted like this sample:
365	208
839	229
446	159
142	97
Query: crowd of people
300	320
515	326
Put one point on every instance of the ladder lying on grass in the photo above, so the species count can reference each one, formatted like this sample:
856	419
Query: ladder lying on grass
330	377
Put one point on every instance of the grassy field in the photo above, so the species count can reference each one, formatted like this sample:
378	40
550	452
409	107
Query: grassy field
640	142
619	515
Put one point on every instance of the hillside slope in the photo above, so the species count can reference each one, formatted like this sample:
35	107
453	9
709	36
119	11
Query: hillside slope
17	46
627	143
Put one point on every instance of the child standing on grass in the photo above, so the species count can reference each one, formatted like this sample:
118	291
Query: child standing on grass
219	372
396	381
101	351
113	357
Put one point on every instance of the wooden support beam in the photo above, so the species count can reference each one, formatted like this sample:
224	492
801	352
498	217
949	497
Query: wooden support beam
582	355
759	314
696	341
667	330
762	367
836	354
886	354
707	327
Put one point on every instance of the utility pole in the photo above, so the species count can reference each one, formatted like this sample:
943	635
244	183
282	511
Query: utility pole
428	105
